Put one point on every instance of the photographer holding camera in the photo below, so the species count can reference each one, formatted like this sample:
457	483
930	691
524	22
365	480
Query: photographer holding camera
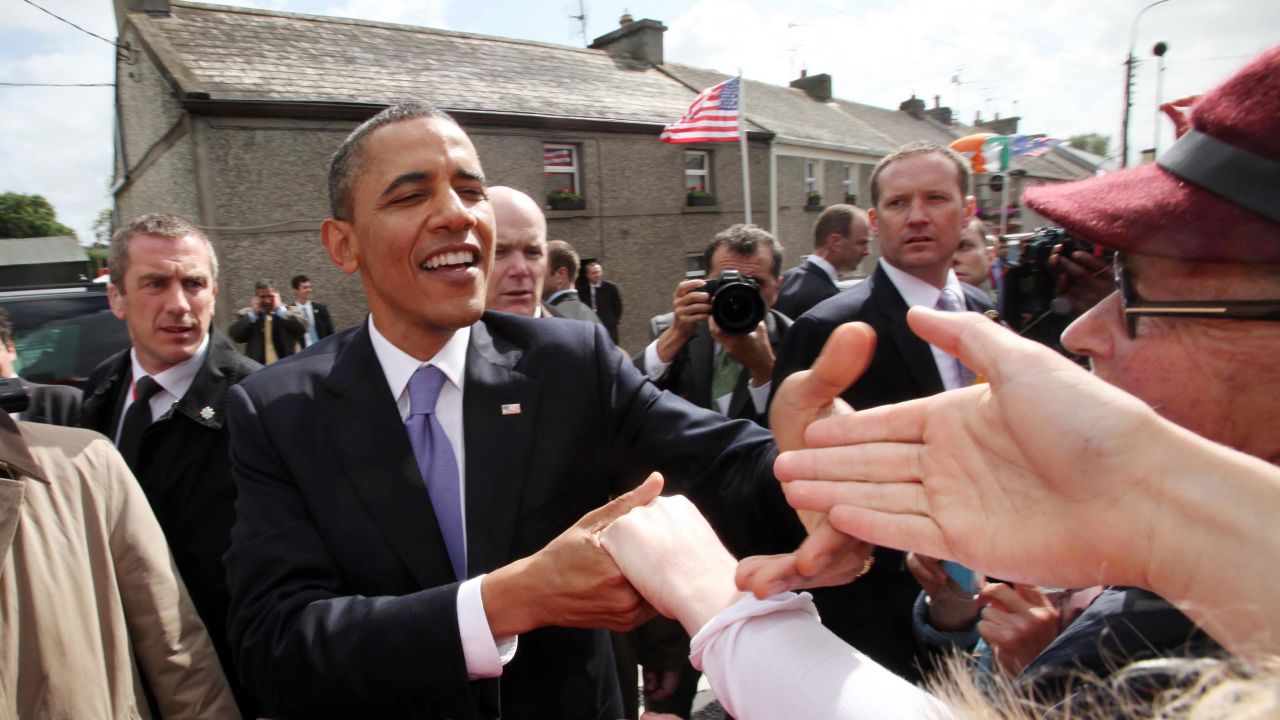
716	348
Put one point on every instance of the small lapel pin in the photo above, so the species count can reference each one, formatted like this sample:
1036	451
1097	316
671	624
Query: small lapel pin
207	412
511	409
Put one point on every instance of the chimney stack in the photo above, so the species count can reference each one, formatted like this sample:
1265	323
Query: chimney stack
639	40
913	107
817	86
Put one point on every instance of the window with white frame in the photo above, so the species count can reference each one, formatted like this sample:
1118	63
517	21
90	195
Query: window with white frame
697	171
560	168
849	184
812	190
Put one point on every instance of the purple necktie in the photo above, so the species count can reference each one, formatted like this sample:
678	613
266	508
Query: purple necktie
435	459
947	301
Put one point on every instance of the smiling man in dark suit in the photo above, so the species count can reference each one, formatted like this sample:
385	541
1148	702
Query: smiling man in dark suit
841	238
920	211
418	494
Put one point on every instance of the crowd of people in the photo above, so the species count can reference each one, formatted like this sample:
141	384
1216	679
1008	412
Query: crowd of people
873	502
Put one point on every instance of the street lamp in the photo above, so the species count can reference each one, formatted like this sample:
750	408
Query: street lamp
1159	50
1129	64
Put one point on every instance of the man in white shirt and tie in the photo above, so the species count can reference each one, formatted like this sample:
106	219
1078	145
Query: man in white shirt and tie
317	315
920	210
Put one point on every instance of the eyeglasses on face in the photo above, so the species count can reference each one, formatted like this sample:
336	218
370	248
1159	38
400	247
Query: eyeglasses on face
1135	307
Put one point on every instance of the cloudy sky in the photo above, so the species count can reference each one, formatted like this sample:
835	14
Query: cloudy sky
1056	63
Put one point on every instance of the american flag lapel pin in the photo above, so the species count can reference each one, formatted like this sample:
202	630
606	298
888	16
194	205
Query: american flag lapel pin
511	409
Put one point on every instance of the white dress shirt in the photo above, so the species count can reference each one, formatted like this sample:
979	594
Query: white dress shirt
309	313
917	292
174	383
484	654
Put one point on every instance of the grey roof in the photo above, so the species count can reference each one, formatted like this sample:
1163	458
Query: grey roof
228	53
41	251
246	54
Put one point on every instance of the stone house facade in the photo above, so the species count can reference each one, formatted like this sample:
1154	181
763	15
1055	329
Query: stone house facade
228	116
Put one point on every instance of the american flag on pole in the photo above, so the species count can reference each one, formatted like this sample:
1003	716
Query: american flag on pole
713	116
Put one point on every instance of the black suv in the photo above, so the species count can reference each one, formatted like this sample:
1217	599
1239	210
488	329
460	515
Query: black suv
63	331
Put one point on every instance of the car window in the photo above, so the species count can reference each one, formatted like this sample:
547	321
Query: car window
61	338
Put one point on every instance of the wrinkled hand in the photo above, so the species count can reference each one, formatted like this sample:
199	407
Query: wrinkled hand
674	559
995	476
753	351
951	607
1018	623
827	556
573	581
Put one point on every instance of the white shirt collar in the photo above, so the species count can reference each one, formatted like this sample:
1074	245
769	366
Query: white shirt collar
399	365
918	292
822	264
176	380
306	304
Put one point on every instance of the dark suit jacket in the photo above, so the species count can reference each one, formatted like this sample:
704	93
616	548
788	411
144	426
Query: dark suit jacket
570	306
52	404
343	600
184	468
608	304
803	286
691	370
288	334
324	323
874	613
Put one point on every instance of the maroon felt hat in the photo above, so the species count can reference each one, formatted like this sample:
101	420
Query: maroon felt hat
1214	195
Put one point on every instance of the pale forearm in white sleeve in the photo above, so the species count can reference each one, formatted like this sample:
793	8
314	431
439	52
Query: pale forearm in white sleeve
773	659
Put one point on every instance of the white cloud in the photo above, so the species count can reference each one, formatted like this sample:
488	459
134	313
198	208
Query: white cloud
57	142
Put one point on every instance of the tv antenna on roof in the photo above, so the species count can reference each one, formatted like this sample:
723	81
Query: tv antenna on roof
581	17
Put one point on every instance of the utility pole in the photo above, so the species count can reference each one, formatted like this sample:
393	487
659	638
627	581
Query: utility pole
1159	50
1130	63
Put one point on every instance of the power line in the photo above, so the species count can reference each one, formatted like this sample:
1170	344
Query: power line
18	84
58	17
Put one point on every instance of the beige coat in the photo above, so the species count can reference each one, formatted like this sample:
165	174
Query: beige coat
85	580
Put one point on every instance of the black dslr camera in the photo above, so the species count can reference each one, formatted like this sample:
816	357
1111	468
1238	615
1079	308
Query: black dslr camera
736	304
1029	300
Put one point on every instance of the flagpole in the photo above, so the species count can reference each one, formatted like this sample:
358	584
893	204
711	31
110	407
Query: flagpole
742	143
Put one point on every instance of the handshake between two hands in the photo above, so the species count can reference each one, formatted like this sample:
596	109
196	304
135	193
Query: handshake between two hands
966	475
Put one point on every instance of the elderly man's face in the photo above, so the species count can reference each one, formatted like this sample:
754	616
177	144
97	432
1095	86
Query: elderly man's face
1214	377
520	262
595	273
421	231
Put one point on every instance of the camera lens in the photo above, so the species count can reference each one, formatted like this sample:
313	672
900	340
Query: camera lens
737	308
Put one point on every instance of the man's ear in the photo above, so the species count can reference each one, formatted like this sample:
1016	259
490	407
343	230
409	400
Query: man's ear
970	209
115	300
340	240
871	220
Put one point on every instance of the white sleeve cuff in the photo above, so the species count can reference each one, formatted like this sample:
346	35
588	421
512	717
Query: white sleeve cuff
772	658
653	365
485	655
